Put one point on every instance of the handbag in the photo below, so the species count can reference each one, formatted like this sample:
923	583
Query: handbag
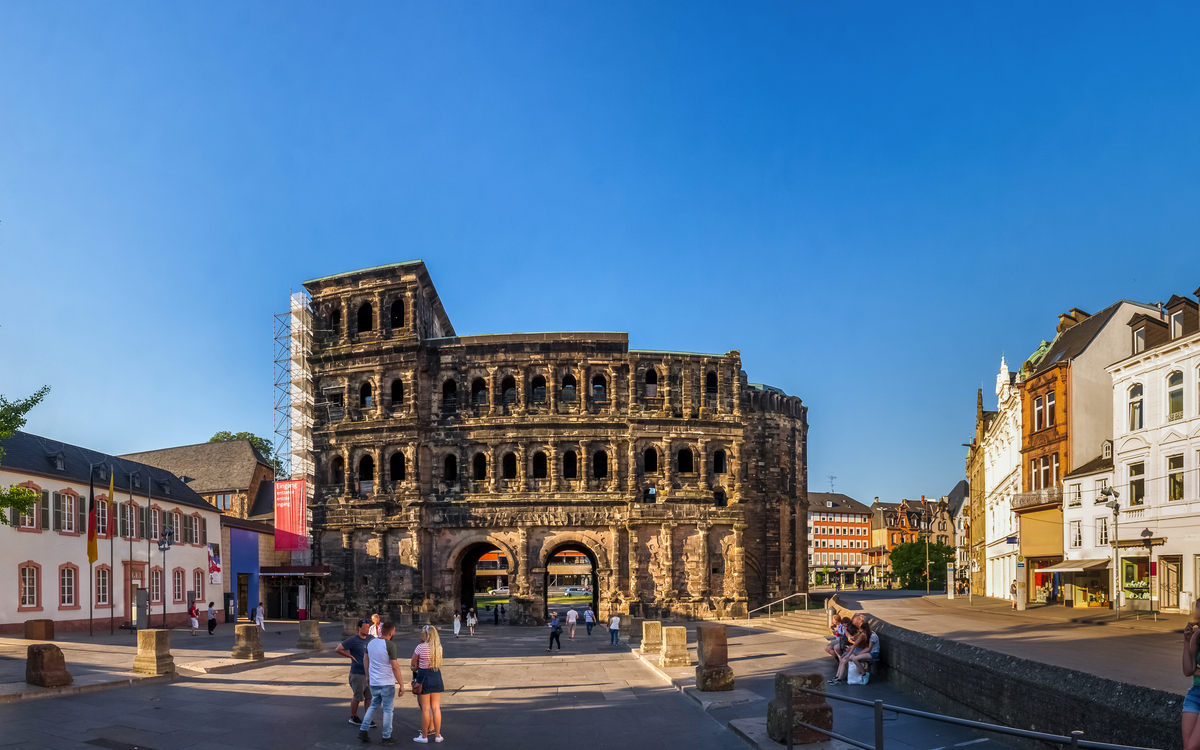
418	687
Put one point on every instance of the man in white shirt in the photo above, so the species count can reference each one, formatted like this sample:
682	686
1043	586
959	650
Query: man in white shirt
614	629
375	626
383	674
572	616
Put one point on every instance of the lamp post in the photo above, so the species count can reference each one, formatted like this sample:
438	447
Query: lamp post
165	543
1115	504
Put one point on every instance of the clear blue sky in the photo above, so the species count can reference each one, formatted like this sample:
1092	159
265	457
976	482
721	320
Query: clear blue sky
872	201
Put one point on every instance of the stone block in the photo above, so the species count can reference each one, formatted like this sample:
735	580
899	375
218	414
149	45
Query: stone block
713	674
806	707
714	679
651	637
625	627
246	642
674	648
310	636
45	666
635	630
154	652
39	630
403	620
350	626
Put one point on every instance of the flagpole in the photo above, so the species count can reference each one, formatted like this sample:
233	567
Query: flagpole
112	543
125	595
91	562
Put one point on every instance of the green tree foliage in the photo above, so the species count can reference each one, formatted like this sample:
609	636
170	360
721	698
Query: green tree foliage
12	418
262	445
908	564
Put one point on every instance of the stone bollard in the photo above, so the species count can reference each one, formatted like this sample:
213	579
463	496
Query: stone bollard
422	619
310	636
635	631
625	628
350	626
404	621
246	642
39	630
712	646
45	666
154	653
674	648
651	637
809	708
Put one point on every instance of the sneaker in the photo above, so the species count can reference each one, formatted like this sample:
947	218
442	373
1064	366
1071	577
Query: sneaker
834	681
390	741
438	738
422	739
363	736
355	720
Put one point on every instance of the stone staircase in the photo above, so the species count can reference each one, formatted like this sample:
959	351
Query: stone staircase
803	624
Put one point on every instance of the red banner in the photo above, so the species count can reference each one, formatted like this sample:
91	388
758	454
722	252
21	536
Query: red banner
291	515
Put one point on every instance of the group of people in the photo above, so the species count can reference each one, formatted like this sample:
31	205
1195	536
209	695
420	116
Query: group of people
852	643
376	679
589	620
256	614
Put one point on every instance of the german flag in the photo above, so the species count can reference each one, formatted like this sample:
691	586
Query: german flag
92	554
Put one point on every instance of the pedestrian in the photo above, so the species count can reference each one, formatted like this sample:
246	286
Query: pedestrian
212	618
194	616
858	651
495	615
503	612
427	684
614	629
457	624
589	619
376	625
472	620
383	674
258	617
354	648
1012	593
572	616
1191	668
555	632
837	645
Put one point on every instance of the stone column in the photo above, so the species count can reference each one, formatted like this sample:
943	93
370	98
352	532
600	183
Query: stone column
494	450
610	390
664	384
633	385
310	636
739	562
523	562
344	332
552	390
705	566
553	470
631	478
668	469
348	472
634	593
737	387
154	652
495	397
246	642
584	389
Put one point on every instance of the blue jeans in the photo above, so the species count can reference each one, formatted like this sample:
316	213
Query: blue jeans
385	696
1191	701
612	636
589	627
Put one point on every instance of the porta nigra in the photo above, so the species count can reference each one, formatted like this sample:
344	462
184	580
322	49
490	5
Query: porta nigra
684	485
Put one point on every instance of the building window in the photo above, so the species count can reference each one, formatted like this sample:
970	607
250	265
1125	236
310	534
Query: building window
397	466
538	395
599	388
177	585
364	396
366	469
686	462
102	518
568	389
1106	451
1101	484
710	382
650	461
1076	534
66	587
156	585
1050	411
102	587
1054	470
651	383
29	587
509	466
1076	496
570	465
600	465
1038	414
479	467
198	583
397	392
539	465
1101	531
337	470
1175	477
719	499
398	313
64	513
450	473
719	462
449	394
1174	396
1139	341
1176	325
366	317
154	530
29	520
1135	408
508	390
1137	483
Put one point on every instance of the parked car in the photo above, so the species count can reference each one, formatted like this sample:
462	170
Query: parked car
576	591
501	590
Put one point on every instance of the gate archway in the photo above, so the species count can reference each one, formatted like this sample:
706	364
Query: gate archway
553	570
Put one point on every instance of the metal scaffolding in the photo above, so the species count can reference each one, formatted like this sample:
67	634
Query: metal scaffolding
293	389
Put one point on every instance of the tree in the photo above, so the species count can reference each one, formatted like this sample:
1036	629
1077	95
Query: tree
12	418
262	445
908	564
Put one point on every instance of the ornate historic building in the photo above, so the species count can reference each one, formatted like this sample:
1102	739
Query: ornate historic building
684	485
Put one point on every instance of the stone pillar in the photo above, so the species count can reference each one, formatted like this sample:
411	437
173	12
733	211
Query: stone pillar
523	562
666	538
494	451
246	642
674	648
737	383
154	652
705	565
635	630
403	620
45	666
553	470
634	594
310	636
712	647
651	637
633	384
739	565
806	707
350	626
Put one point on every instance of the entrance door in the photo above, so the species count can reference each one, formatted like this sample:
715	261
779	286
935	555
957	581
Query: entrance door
1169	584
134	580
243	594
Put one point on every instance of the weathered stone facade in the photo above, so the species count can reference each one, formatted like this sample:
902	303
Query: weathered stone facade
432	449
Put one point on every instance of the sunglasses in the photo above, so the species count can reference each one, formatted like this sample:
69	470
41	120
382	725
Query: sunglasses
363	622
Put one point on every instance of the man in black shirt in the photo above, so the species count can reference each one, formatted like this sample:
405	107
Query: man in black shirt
355	648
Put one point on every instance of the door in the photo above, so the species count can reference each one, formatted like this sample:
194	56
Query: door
1169	584
134	580
243	594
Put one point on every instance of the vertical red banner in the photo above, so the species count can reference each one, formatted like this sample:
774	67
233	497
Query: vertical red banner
291	515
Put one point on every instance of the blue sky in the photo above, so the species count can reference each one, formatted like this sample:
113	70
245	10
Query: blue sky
872	201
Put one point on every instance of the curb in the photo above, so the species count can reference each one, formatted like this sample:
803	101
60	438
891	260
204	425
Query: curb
229	665
88	688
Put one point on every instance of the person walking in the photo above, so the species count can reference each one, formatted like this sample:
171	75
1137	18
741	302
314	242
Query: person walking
1191	668
375	626
472	620
383	673
614	629
1012	593
212	618
258	617
457	624
354	648
572	616
194	616
495	615
555	632
589	619
428	685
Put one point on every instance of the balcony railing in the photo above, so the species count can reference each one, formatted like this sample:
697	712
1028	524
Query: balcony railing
1048	496
1175	416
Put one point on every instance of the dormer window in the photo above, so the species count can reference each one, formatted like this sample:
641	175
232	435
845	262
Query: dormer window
1106	450
102	472
60	462
137	481
1139	341
1176	325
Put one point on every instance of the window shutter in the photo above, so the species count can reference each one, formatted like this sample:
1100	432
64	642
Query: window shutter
122	522
14	517
204	531
82	509
56	518
142	517
45	509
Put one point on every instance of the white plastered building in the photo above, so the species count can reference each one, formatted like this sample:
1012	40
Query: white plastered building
1002	479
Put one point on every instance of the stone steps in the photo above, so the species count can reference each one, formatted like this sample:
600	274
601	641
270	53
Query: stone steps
811	624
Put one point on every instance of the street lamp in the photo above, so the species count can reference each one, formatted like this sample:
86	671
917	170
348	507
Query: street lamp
165	542
1115	504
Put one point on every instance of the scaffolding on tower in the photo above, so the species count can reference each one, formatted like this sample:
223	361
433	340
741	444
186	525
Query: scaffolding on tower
293	399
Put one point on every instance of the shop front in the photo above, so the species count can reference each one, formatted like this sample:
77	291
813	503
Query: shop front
1044	586
1042	547
1084	583
1135	582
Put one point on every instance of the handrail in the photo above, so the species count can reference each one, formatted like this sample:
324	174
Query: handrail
768	605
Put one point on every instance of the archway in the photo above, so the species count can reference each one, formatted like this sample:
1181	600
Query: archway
482	567
570	564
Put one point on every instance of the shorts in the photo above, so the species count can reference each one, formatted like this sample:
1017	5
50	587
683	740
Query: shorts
431	681
195	622
359	688
1191	701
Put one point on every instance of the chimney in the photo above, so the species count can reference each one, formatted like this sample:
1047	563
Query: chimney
1071	318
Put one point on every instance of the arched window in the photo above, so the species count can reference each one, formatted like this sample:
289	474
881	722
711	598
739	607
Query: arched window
337	470
510	466
686	463
600	465
570	465
397	392
451	468
398	313
599	388
366	317
650	460
397	466
480	467
539	465
568	388
539	390
508	387
479	394
1136	420
719	462
366	468
335	320
719	499
651	383
1174	396
710	383
364	396
449	394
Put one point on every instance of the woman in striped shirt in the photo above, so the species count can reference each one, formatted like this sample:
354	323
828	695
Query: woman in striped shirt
427	672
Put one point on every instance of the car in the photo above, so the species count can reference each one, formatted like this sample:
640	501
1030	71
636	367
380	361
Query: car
501	590
576	591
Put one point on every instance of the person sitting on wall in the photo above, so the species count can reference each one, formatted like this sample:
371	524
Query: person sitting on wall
859	621
837	644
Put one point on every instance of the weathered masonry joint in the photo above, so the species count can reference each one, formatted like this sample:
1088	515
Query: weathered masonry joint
685	486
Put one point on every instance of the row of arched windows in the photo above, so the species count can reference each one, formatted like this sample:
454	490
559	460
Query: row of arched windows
365	317
1173	406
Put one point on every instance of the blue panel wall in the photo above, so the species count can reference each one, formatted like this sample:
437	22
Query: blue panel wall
243	558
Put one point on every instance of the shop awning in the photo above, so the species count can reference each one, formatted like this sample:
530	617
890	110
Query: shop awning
865	569
1075	566
303	571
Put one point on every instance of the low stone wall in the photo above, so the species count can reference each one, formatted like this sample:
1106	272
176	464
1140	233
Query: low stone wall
983	685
